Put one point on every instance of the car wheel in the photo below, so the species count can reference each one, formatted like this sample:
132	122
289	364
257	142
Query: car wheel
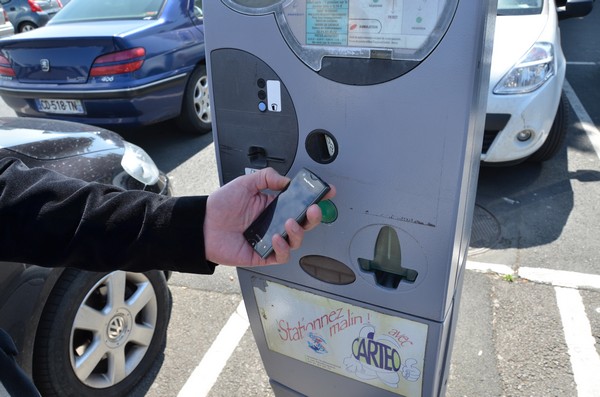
557	135
195	114
26	27
100	333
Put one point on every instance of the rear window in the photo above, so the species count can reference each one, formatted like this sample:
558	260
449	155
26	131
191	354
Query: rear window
98	10
520	7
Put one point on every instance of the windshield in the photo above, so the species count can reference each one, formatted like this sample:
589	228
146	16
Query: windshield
98	10
520	7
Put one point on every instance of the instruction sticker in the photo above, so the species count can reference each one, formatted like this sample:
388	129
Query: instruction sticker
368	23
374	348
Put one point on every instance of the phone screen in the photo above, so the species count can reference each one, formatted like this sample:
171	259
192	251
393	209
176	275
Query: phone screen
304	190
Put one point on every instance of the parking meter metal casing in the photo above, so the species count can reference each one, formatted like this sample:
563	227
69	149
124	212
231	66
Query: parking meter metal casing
404	157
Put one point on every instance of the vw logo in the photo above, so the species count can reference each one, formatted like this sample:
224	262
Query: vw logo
116	326
45	65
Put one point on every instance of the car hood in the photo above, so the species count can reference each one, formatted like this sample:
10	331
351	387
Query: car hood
53	139
513	37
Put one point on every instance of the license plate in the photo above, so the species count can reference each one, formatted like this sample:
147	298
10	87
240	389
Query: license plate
60	106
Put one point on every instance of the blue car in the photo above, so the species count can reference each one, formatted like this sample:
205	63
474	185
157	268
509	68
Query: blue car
112	63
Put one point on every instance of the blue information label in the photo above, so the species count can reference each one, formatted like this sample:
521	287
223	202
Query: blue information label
327	22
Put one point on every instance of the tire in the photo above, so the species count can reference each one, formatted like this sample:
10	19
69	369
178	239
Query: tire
557	135
100	333
195	114
27	26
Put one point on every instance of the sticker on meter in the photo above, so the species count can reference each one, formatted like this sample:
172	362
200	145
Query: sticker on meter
274	95
371	347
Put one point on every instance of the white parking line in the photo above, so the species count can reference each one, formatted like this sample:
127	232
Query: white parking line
578	335
557	278
207	372
576	63
585	121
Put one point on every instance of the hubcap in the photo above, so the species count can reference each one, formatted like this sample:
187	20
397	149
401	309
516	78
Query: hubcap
202	100
118	329
113	329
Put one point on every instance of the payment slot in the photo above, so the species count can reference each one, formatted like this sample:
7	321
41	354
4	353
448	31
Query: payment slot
386	101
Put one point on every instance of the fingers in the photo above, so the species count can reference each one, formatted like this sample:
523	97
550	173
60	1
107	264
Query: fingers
268	178
281	251
281	247
313	217
331	193
295	233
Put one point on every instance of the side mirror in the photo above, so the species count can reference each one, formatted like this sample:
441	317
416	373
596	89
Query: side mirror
573	8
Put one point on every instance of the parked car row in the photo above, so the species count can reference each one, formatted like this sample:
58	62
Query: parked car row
141	62
76	331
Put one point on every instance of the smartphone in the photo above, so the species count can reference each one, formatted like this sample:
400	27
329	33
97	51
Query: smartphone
304	189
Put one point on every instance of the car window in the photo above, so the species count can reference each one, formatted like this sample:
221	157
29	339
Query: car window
520	7
109	10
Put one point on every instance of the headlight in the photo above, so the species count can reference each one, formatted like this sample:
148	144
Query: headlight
139	165
530	73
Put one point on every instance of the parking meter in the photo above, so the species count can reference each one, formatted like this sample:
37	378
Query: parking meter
385	99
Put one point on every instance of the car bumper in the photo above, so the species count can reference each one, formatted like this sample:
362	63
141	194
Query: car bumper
134	106
508	115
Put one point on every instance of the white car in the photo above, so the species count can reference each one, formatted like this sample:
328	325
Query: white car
526	112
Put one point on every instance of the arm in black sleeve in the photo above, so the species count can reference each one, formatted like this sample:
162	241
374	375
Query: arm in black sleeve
50	220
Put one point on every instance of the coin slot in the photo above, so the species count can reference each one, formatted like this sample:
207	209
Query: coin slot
321	146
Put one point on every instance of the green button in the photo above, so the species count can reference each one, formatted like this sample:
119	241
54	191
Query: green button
329	211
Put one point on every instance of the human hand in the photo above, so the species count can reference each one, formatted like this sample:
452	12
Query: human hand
233	207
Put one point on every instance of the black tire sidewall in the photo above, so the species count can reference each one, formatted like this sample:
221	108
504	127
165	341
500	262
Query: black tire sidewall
53	373
24	24
188	119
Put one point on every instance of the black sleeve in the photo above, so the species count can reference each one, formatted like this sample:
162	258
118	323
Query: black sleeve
51	220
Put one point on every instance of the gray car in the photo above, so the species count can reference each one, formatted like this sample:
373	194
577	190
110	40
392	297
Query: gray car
82	333
27	15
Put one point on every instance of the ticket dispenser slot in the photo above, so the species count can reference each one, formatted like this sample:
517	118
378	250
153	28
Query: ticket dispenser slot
387	262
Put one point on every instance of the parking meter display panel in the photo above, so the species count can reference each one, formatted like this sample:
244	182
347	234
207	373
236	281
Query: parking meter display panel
397	30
